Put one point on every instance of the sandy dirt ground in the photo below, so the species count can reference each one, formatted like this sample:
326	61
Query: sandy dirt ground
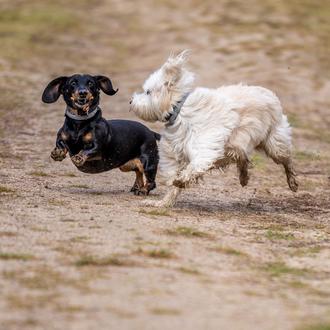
78	251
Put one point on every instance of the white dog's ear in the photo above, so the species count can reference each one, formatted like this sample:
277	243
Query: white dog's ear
174	65
181	58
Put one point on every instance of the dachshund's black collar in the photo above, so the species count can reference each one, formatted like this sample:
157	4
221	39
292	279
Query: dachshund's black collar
176	108
82	118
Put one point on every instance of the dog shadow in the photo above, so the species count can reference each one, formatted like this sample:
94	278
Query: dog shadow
296	205
86	191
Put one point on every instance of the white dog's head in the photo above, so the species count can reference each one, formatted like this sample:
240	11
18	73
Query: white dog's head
163	89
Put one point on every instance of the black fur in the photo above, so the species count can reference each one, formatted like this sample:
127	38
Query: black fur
96	145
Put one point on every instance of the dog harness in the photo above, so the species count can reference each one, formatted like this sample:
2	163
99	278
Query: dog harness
176	110
77	117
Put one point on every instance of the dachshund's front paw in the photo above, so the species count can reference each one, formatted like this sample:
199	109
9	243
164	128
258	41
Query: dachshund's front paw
79	159
58	154
145	190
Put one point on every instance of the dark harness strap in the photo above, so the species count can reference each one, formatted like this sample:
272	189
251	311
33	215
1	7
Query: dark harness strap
176	110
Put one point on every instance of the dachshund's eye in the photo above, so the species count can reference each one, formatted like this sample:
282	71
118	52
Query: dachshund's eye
148	92
73	84
90	84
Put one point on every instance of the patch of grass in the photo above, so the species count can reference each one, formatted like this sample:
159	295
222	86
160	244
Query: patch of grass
55	202
274	226
294	120
67	250
188	270
67	220
277	269
314	249
228	250
164	311
90	260
15	256
36	16
69	174
252	293
40	229
28	27
258	161
6	190
156	212
39	173
307	155
317	326
297	285
80	186
187	232
78	239
279	235
156	253
307	251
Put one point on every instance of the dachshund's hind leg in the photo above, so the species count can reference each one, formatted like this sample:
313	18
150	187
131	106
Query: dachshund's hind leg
136	166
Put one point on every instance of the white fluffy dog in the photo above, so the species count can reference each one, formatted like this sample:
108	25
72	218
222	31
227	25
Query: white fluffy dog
210	128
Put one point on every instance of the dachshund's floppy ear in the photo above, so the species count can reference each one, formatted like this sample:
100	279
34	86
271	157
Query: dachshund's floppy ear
105	85
53	90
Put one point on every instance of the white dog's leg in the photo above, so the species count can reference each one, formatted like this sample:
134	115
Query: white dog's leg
278	147
190	175
169	168
167	201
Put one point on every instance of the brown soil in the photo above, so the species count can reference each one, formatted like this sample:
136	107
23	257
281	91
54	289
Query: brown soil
78	251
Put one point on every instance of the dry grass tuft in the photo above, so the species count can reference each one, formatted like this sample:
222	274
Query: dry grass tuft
156	253
317	326
6	190
39	173
229	251
164	311
188	232
156	212
188	270
279	268
279	235
15	256
113	260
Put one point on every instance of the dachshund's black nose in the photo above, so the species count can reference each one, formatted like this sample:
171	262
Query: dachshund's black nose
82	92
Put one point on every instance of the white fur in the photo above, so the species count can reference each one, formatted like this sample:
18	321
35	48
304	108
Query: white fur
214	127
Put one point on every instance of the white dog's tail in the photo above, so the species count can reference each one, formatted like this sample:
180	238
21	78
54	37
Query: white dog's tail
278	144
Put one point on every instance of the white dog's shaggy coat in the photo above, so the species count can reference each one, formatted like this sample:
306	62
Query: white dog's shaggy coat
214	128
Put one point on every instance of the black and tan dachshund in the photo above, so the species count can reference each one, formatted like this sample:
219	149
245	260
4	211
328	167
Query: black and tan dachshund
95	144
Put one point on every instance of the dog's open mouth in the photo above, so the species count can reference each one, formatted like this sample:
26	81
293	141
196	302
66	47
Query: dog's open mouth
82	103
